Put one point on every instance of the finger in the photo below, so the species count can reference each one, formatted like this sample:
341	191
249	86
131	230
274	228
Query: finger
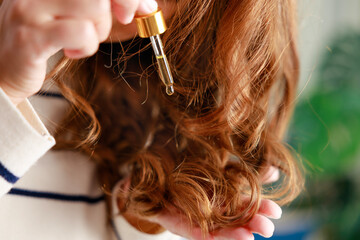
176	223
98	11
79	38
270	209
103	27
46	10
272	175
125	10
261	225
234	234
146	7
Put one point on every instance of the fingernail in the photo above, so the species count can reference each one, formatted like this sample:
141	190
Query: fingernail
278	213
266	233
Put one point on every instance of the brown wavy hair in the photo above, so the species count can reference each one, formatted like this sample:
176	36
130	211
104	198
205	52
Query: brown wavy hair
204	149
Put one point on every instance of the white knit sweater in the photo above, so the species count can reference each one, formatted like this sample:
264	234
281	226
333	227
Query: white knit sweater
50	194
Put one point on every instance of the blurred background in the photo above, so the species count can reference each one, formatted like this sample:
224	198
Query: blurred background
325	130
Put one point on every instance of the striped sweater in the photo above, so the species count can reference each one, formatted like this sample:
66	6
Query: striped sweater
50	194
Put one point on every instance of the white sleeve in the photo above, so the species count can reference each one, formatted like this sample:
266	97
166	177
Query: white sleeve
23	140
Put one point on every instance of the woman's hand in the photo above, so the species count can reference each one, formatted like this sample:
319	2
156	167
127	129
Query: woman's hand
175	222
33	30
260	224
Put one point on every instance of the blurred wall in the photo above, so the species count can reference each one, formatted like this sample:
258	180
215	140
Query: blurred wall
320	21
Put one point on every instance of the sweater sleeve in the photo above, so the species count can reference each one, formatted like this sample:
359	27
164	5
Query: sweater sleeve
23	140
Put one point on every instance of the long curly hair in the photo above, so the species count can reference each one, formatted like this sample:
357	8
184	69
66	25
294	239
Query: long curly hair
204	149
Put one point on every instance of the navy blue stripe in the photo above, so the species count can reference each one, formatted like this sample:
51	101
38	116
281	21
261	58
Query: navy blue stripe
50	94
57	196
7	175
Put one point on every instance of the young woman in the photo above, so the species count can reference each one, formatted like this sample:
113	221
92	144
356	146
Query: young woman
195	163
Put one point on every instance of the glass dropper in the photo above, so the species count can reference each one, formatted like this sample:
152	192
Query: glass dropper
151	26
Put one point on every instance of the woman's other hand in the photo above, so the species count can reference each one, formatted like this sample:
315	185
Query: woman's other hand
177	223
260	224
33	30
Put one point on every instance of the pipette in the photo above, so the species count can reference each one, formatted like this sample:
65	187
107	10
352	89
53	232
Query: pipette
151	26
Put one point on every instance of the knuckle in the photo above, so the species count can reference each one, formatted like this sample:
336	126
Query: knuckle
19	10
88	33
21	36
86	29
62	30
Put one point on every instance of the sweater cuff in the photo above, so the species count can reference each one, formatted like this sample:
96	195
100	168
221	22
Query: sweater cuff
23	140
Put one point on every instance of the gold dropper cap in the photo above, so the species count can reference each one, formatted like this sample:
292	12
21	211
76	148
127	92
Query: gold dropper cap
151	26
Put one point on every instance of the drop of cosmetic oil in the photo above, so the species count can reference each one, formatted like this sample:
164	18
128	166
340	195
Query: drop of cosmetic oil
170	90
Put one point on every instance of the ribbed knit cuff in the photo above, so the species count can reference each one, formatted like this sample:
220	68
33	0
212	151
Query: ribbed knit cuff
23	140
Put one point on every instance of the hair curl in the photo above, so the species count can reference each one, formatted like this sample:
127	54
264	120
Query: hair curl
205	148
